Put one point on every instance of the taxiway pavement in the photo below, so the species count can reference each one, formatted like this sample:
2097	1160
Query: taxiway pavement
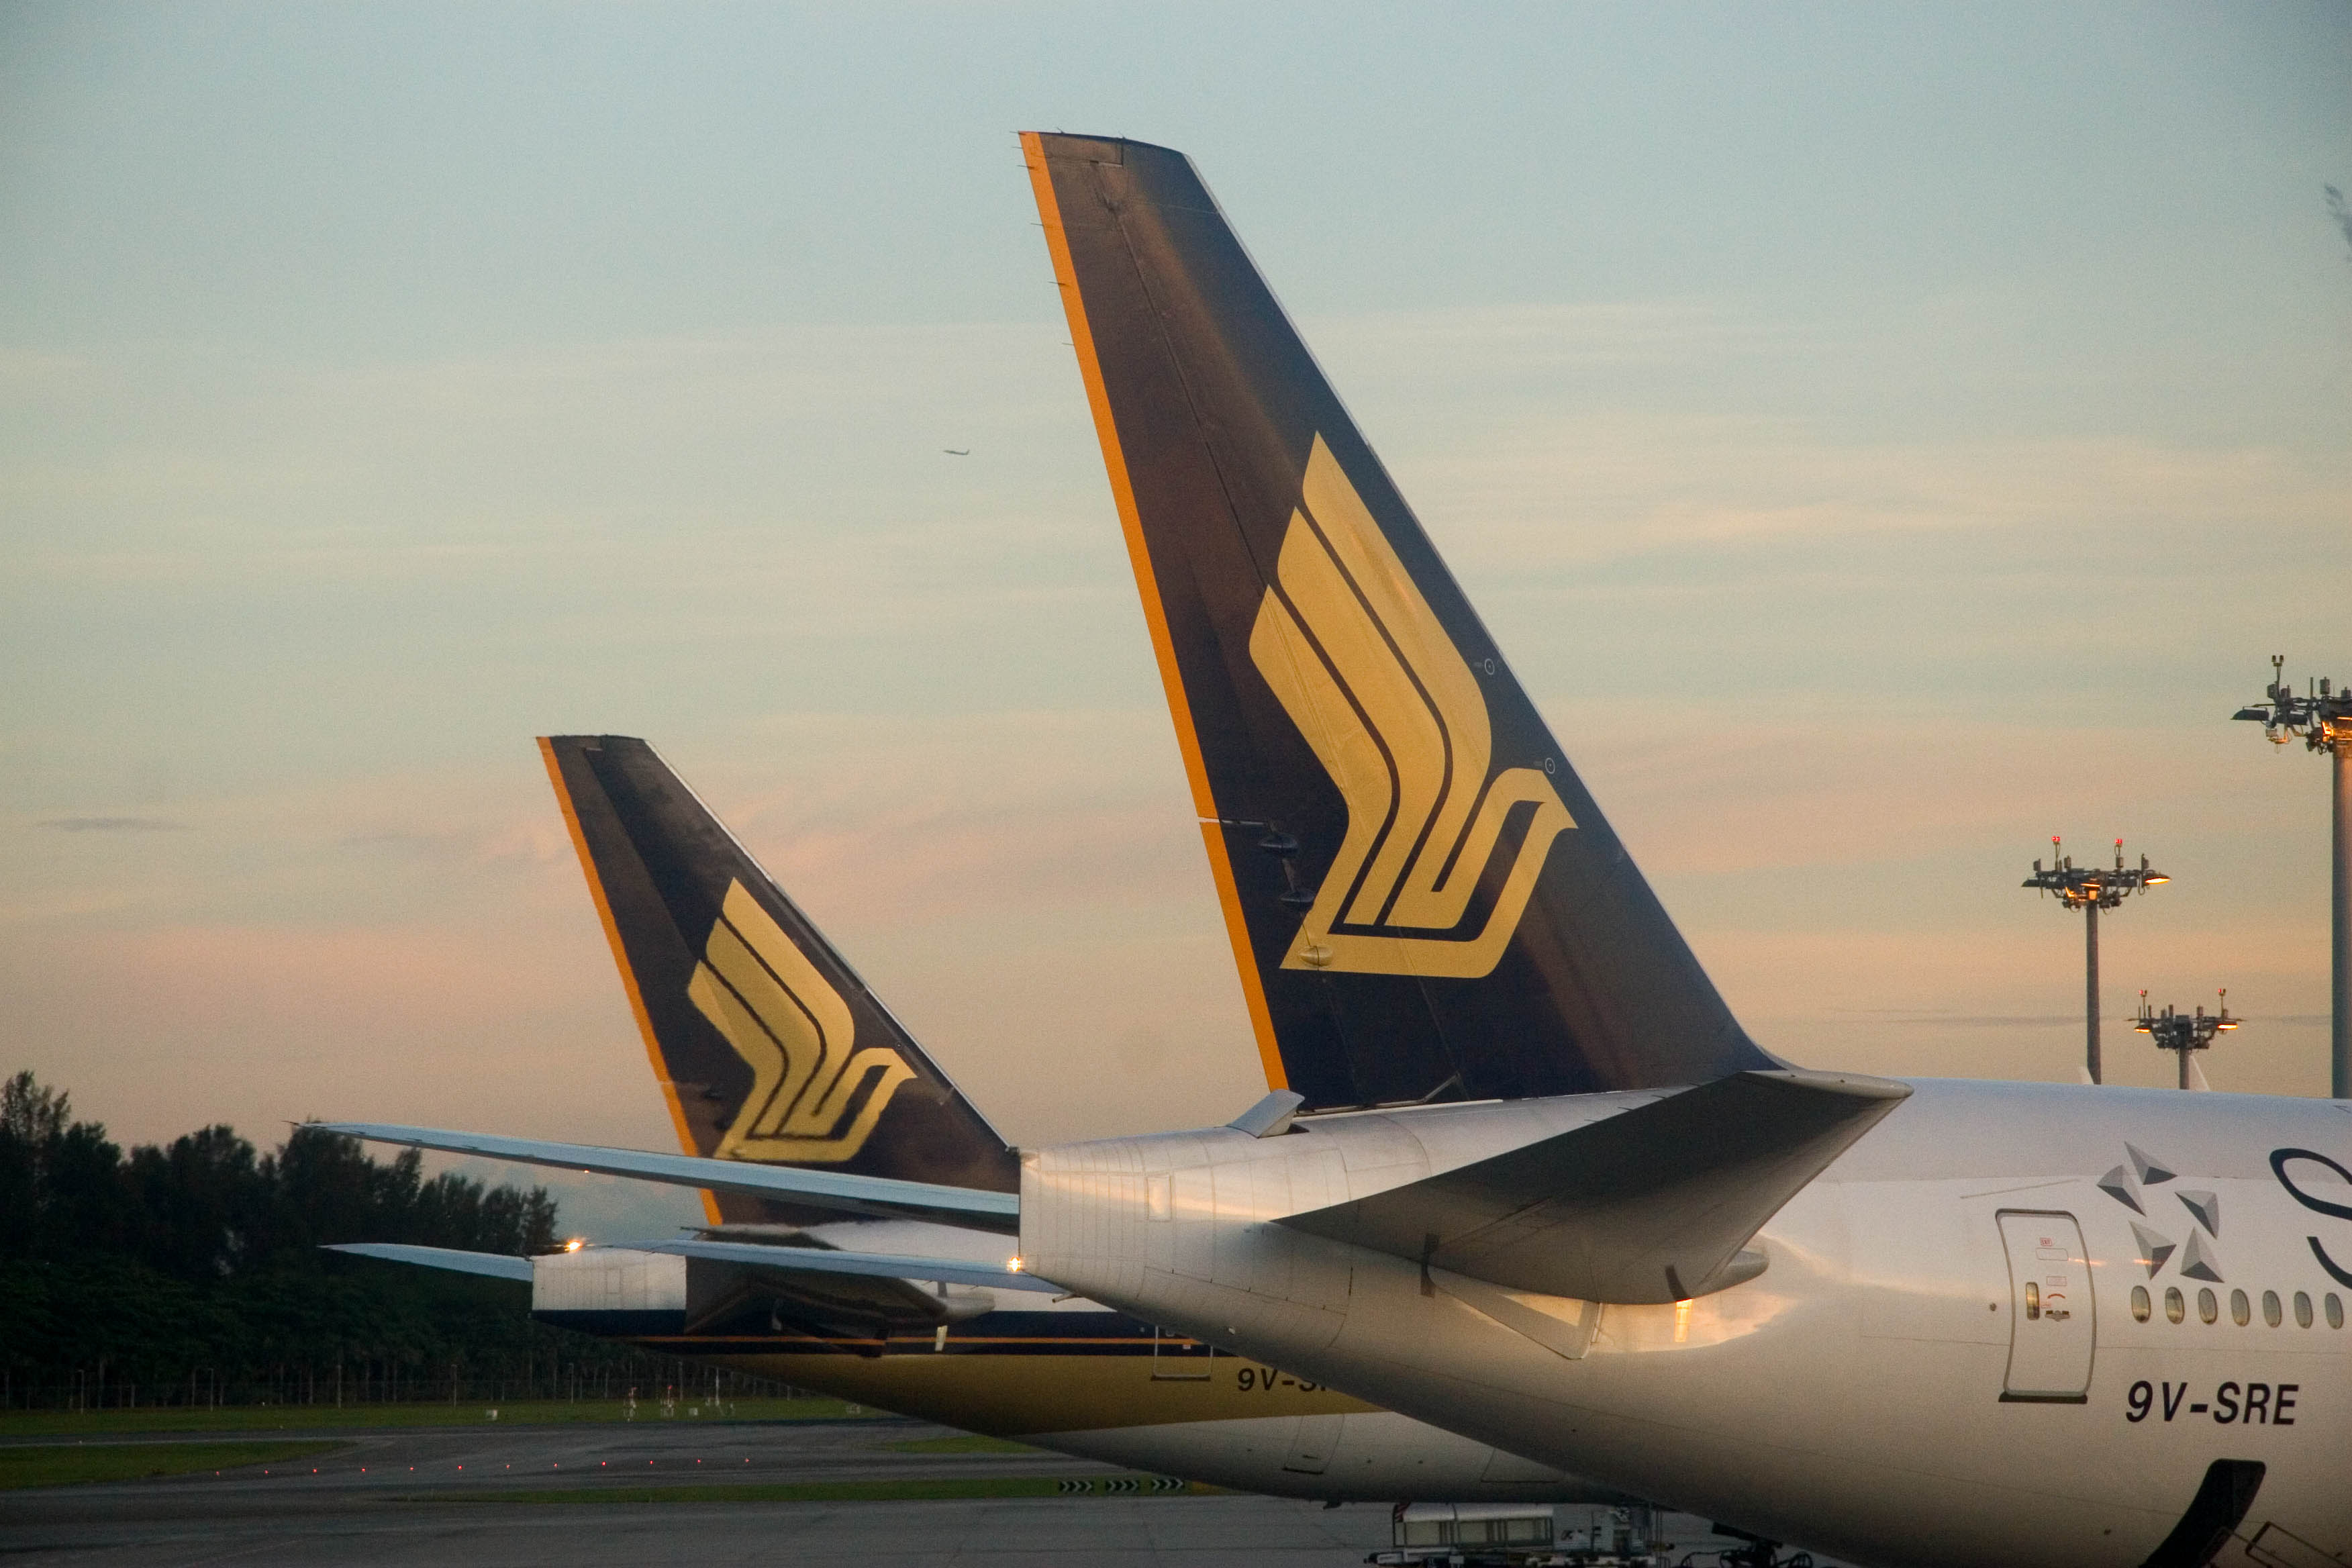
434	1494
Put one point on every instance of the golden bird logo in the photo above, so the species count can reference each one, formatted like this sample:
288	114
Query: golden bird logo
814	1099
1393	712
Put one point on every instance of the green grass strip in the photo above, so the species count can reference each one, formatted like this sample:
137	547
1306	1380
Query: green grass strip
423	1413
941	1489
57	1465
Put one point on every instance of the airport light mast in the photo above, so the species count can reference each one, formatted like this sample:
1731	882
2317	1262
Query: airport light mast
2322	717
2184	1032
2091	888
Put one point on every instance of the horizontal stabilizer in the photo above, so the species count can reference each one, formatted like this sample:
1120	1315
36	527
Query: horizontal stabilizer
1652	1205
497	1265
881	1197
873	1264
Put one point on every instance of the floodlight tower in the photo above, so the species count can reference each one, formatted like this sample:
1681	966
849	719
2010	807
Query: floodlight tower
2322	717
2091	888
2184	1032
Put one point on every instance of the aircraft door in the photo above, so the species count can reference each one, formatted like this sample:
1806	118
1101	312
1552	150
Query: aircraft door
2050	1326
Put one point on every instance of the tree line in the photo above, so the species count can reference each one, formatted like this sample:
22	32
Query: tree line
192	1272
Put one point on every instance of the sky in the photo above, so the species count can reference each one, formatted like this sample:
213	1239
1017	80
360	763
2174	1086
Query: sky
1883	437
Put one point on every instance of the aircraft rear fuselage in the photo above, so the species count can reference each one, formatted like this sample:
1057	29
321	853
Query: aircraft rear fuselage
1959	1351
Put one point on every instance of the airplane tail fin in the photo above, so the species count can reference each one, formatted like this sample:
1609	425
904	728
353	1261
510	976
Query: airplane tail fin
1425	901
767	1045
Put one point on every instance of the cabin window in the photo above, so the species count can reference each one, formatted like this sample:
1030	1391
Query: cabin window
2271	1308
2140	1308
2175	1309
2335	1311
2207	1308
2302	1310
2239	1312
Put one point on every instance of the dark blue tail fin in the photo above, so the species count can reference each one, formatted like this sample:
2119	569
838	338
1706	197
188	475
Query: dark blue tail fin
767	1044
1426	902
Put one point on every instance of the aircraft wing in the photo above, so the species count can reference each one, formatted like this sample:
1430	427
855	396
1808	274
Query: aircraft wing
879	1197
1650	1206
814	1289
819	1261
498	1264
782	1259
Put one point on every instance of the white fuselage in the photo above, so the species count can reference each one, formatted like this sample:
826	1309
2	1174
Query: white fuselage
1888	1389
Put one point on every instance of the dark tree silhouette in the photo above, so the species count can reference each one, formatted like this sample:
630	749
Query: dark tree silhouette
197	1264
